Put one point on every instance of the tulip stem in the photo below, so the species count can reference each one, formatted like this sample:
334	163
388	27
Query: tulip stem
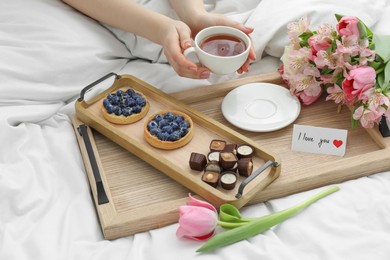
231	224
260	225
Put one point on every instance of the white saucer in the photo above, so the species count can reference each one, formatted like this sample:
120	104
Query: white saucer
260	107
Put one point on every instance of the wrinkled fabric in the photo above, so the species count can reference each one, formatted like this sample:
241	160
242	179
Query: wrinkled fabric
49	52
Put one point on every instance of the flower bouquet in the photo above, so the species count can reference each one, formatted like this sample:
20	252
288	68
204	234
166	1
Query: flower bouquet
347	62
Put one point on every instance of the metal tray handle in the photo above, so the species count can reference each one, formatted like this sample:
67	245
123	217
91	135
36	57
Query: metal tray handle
254	175
101	193
84	90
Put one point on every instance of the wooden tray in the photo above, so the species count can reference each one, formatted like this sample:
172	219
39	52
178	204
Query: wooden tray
142	198
175	163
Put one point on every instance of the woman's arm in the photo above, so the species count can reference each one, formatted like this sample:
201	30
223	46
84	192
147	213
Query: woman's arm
189	11
126	15
174	36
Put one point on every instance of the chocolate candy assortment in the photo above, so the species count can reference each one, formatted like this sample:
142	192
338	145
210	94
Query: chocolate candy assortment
223	163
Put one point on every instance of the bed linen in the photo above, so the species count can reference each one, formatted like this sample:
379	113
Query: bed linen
49	52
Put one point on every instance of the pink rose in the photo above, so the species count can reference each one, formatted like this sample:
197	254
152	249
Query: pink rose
198	220
347	26
358	81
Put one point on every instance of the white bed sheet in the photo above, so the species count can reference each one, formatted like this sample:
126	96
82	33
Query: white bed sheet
49	52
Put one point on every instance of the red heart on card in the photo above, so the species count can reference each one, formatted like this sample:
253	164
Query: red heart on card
337	143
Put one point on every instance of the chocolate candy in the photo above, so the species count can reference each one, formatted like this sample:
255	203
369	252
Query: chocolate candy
233	169
245	167
211	178
244	151
228	180
227	160
213	166
230	148
217	145
213	156
198	161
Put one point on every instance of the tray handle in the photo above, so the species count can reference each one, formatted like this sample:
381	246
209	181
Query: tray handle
101	193
84	90
254	175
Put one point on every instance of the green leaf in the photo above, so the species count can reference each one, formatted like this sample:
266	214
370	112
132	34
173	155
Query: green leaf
368	32
354	123
261	224
229	213
387	74
362	30
375	65
338	17
382	46
380	79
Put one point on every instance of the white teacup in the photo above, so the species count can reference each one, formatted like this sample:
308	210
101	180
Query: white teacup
222	49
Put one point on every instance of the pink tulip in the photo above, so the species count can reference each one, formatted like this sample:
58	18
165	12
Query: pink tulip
358	81
347	26
198	220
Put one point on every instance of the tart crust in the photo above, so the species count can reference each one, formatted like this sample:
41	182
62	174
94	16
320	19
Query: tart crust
125	120
169	145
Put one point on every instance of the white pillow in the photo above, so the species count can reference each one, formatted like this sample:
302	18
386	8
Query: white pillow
271	17
49	51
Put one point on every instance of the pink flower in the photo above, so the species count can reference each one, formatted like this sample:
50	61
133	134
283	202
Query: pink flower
295	29
198	220
366	116
336	94
358	81
308	100
347	26
318	43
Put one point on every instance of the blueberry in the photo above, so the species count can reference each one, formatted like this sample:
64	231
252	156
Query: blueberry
119	92
117	110
110	108
110	96
106	102
183	131
126	111
178	119
130	102
152	124
136	95
174	136
155	131
158	118
122	101
169	116
115	100
167	129
163	136
130	92
162	123
184	124
140	101
137	109
175	126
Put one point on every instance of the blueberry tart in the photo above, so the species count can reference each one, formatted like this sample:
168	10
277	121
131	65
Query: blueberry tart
125	106
168	130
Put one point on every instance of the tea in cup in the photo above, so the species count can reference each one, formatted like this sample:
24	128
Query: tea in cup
222	49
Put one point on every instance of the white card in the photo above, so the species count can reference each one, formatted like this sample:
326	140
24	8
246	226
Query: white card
321	140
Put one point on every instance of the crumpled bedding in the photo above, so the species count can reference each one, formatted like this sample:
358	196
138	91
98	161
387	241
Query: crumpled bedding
49	52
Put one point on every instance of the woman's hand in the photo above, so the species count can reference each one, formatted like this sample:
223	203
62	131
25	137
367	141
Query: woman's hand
201	20
177	38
